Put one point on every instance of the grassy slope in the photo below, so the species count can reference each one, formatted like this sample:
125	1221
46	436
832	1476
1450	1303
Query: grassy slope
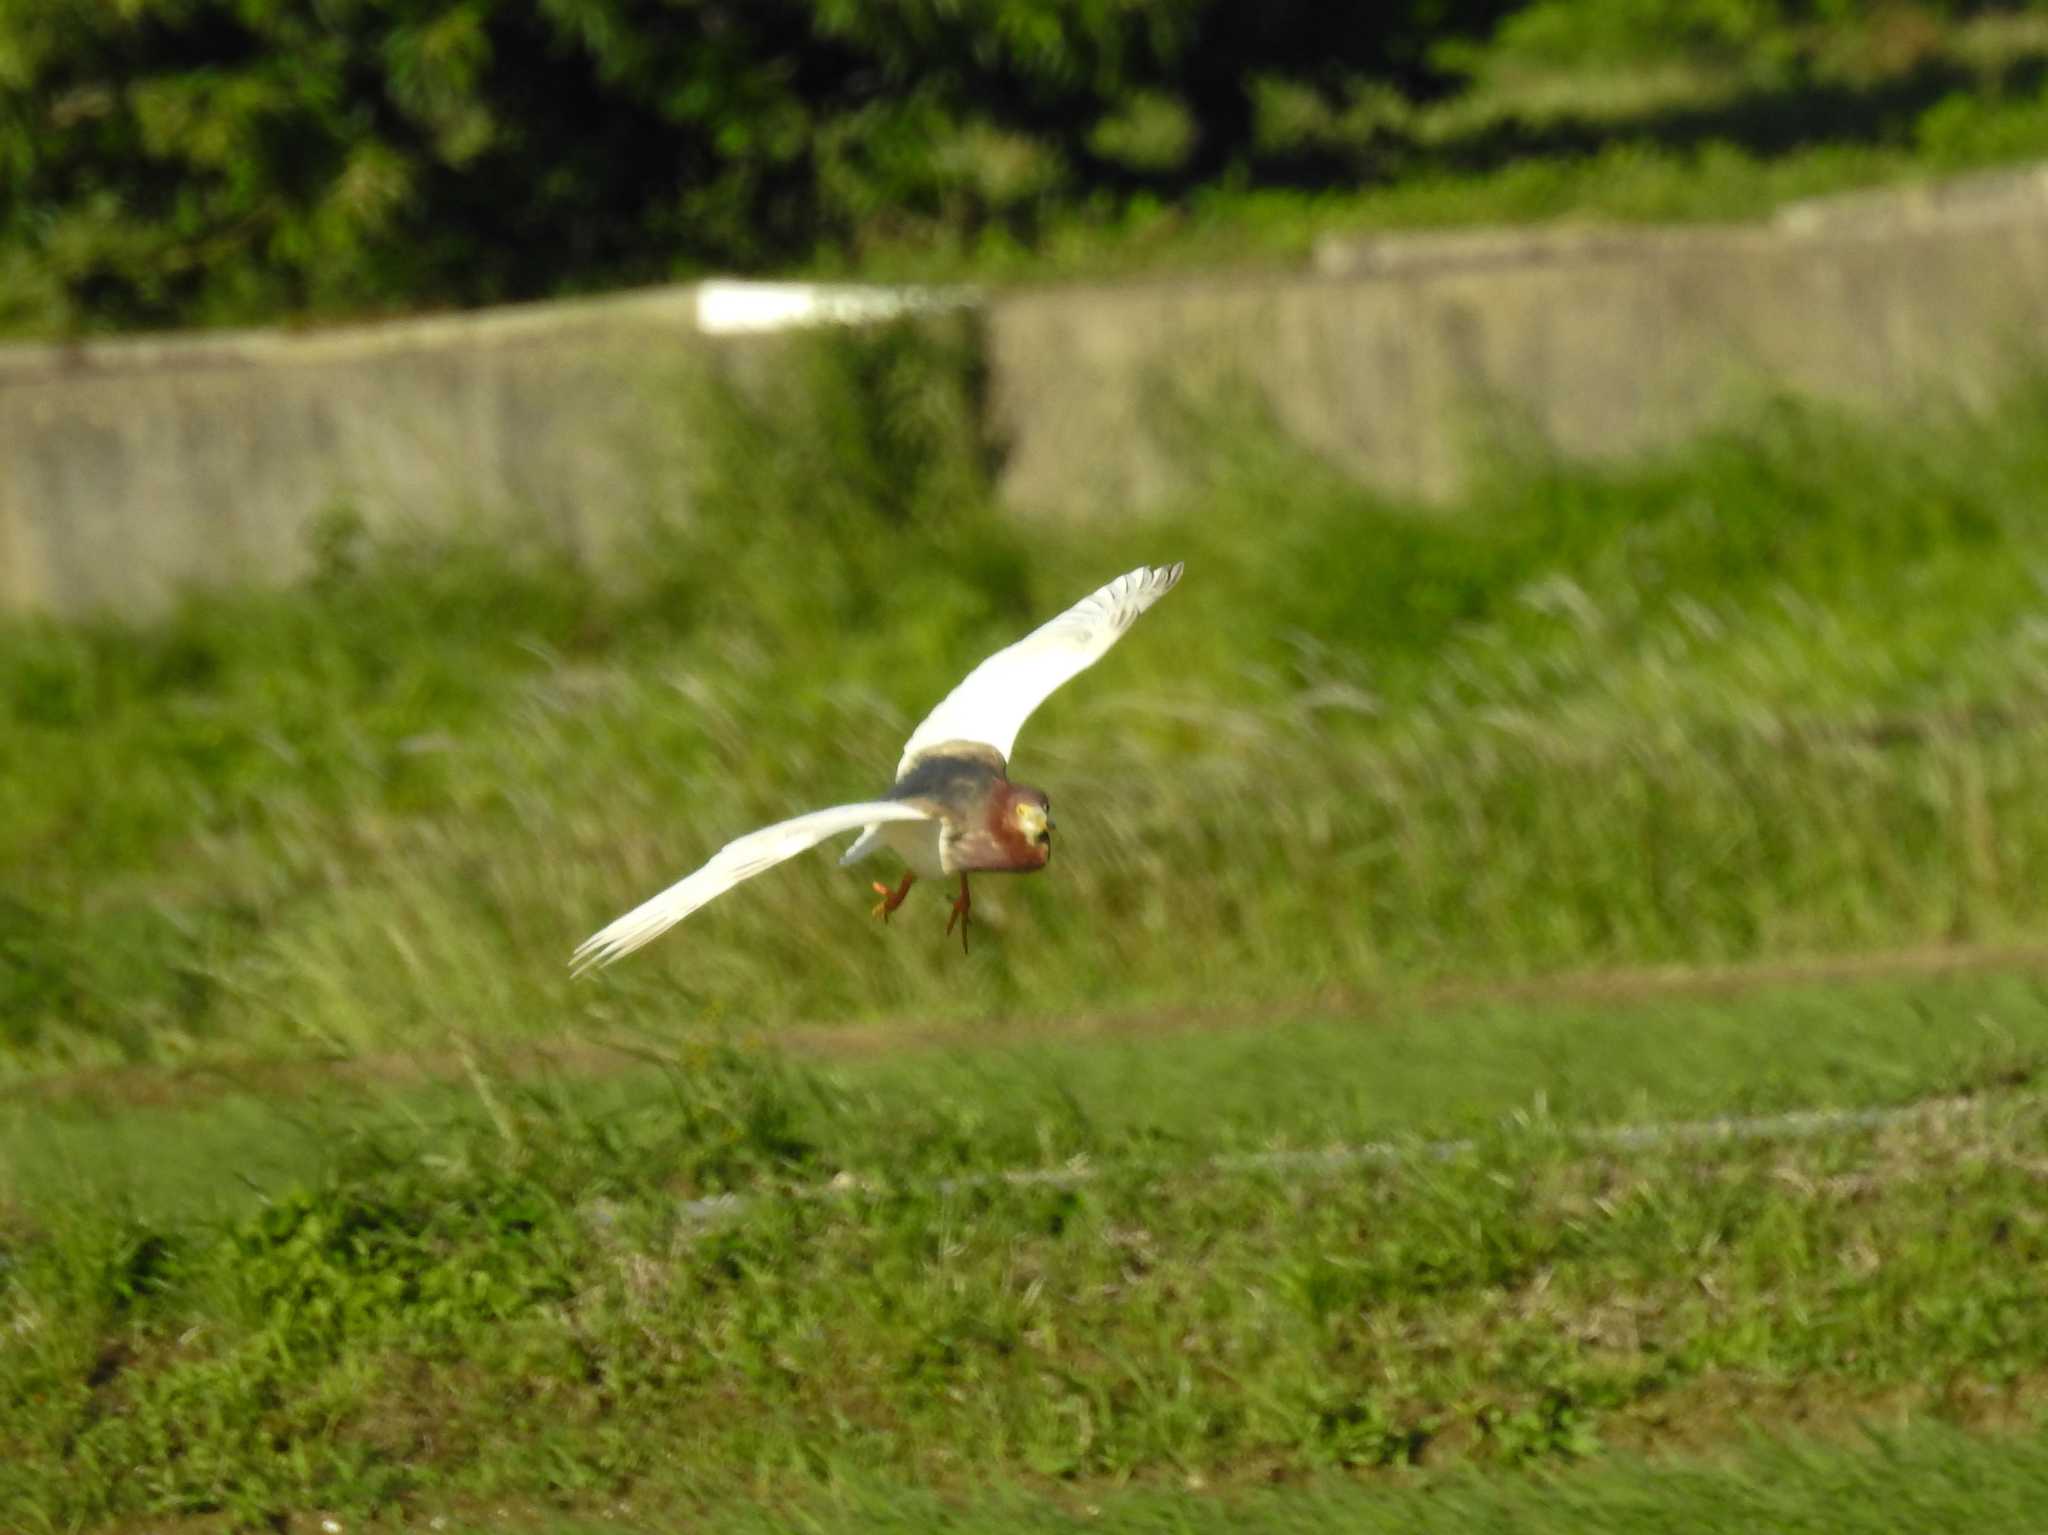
1270	1080
1925	1478
1777	694
433	1300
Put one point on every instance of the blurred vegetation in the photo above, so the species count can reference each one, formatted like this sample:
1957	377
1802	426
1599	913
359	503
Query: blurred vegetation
1804	659
206	161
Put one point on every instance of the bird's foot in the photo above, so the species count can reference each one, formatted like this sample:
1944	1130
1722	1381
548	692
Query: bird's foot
962	913
891	899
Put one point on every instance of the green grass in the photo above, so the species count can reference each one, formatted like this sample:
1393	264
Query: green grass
408	1303
323	1188
1926	1478
1801	663
1261	1080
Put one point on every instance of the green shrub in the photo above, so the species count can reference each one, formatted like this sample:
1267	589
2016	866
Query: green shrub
200	160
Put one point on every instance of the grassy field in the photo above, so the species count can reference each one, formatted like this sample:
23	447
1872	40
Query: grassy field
521	1292
1448	839
1802	663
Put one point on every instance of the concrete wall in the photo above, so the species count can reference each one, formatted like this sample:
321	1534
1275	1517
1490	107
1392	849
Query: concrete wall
1396	354
129	469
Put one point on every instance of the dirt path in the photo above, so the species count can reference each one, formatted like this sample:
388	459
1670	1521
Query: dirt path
582	1055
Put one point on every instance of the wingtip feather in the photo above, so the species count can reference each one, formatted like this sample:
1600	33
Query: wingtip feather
738	861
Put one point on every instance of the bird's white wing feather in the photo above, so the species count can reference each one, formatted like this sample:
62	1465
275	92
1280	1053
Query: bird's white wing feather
740	859
869	839
991	705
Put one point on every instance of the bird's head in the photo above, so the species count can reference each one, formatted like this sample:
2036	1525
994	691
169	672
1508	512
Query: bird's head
1030	826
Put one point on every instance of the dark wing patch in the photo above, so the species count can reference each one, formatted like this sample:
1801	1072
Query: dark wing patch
957	778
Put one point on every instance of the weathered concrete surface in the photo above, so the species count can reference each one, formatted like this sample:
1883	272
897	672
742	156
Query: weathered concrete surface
132	469
1398	353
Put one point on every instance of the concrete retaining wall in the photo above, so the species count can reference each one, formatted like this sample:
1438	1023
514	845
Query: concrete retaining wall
132	468
1396	354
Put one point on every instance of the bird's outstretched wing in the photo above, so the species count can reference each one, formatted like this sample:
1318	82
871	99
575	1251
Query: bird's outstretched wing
738	860
991	705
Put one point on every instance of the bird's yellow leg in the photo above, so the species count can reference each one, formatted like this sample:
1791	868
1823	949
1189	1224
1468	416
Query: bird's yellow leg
962	906
891	899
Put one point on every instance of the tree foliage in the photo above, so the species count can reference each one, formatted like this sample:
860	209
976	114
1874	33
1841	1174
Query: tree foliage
203	160
198	161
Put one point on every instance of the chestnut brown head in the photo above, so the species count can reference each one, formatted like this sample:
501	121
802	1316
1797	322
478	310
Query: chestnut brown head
1023	826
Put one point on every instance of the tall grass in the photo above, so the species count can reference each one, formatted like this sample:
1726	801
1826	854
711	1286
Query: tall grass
1779	692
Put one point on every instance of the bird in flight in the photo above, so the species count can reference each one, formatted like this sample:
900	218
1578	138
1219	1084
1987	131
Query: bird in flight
952	809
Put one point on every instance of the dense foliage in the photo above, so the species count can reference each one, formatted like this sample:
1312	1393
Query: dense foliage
188	156
174	161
